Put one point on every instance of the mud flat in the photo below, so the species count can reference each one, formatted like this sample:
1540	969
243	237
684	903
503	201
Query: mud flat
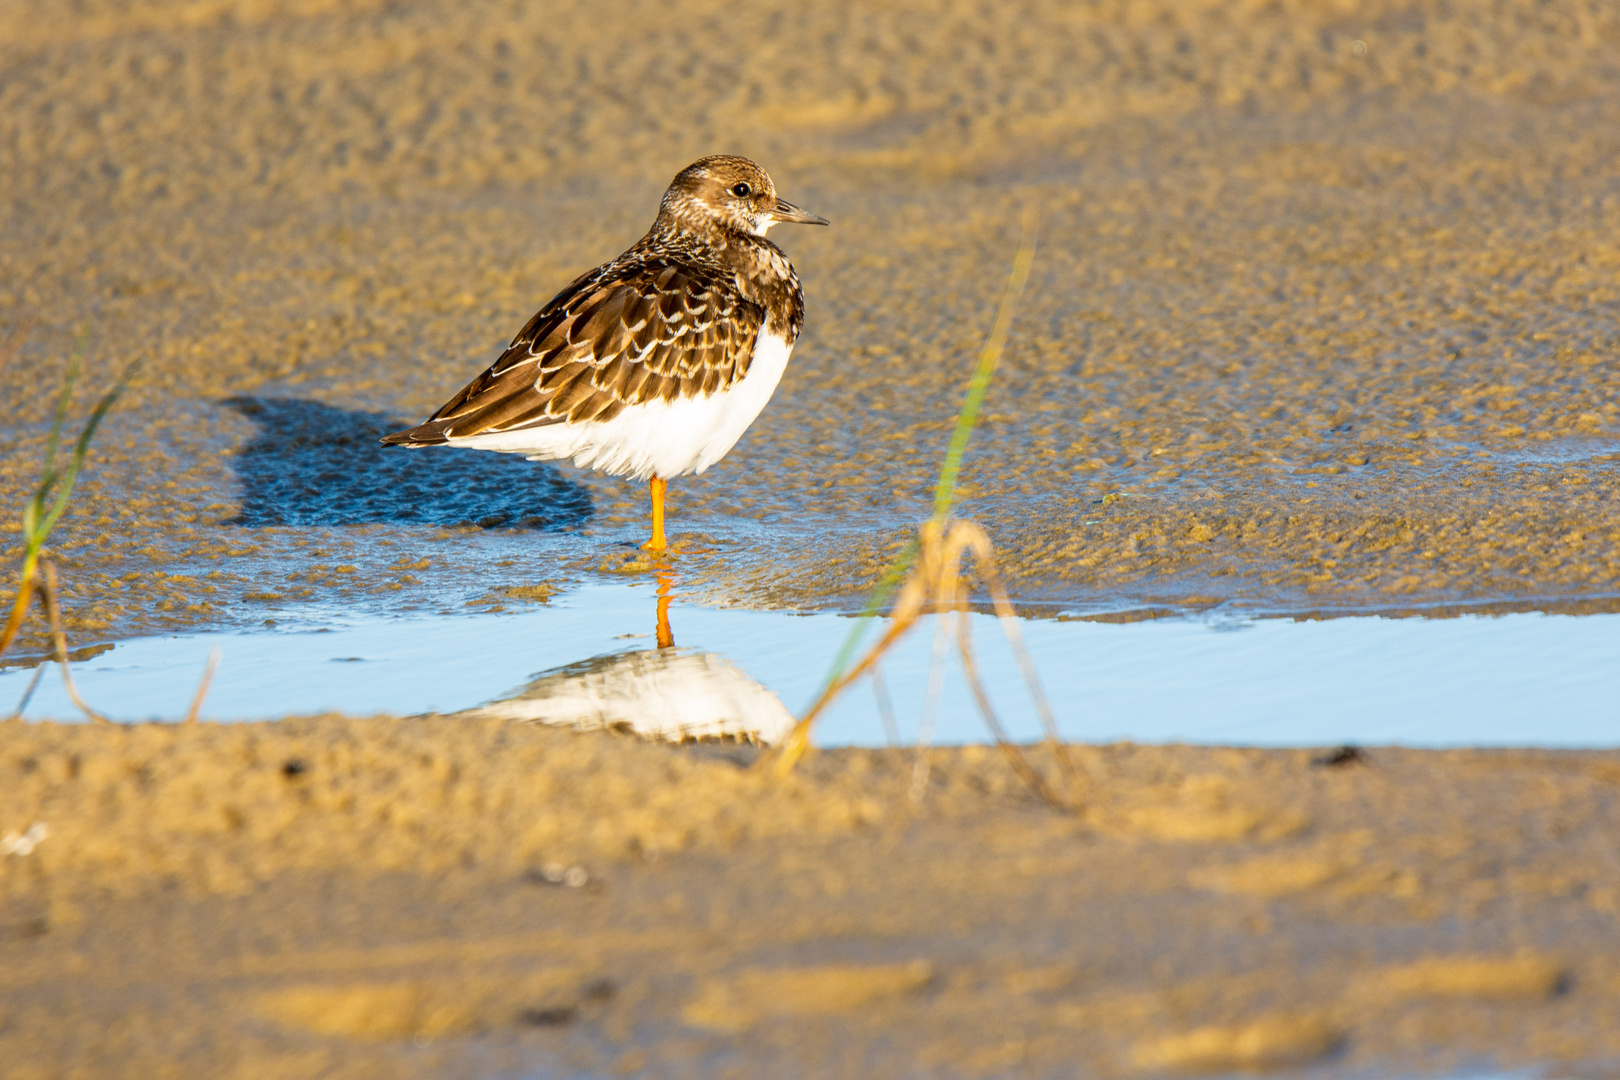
1325	294
333	897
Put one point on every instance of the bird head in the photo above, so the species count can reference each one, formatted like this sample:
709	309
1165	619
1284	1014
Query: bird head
731	194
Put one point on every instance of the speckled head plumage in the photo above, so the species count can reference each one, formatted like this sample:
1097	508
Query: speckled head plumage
727	194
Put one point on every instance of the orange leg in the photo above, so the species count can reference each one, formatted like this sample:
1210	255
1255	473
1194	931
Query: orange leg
666	638
657	487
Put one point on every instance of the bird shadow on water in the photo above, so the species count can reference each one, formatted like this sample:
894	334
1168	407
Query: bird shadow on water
315	464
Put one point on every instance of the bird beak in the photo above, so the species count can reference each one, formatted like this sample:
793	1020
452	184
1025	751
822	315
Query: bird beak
786	211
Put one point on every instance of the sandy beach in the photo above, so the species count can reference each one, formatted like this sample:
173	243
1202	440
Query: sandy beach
335	897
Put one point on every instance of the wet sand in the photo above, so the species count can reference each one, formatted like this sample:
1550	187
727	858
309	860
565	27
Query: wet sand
1325	293
369	898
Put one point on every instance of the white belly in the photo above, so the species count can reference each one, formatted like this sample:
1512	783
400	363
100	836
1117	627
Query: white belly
661	438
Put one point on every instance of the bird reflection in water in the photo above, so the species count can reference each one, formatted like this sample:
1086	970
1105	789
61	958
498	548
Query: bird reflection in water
660	693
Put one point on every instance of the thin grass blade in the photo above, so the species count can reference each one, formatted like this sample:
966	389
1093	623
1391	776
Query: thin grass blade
979	385
81	447
59	416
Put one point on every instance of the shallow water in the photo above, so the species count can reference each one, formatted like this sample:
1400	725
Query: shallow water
1516	679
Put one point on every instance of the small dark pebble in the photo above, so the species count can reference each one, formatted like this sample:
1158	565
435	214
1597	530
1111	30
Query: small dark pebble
1340	758
552	1017
294	767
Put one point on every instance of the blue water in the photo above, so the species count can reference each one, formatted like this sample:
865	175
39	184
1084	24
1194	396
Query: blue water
1520	679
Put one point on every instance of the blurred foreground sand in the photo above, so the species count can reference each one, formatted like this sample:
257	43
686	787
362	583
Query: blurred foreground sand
1326	290
371	898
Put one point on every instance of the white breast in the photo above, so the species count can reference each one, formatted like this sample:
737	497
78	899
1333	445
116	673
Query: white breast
661	438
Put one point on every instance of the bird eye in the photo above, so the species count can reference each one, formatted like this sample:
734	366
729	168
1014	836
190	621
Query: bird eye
742	191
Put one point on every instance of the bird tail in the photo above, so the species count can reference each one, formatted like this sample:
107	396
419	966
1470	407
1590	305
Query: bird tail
432	433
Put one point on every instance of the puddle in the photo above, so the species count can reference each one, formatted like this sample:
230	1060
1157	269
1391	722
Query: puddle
591	657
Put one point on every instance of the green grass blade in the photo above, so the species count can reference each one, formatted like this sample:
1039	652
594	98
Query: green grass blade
81	447
63	400
968	417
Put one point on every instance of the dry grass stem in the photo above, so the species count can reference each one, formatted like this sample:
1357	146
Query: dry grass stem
202	686
19	606
936	587
59	640
930	712
28	694
880	691
1015	758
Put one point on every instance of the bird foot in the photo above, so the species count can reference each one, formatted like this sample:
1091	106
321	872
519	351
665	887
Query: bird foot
679	547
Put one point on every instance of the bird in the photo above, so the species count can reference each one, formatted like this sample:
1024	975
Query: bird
650	366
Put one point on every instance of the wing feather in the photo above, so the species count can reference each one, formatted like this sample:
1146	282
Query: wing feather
634	331
635	390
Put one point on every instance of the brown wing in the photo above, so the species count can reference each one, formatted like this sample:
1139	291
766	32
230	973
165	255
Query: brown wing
622	335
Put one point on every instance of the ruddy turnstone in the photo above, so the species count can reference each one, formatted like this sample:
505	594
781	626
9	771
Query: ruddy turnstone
653	365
